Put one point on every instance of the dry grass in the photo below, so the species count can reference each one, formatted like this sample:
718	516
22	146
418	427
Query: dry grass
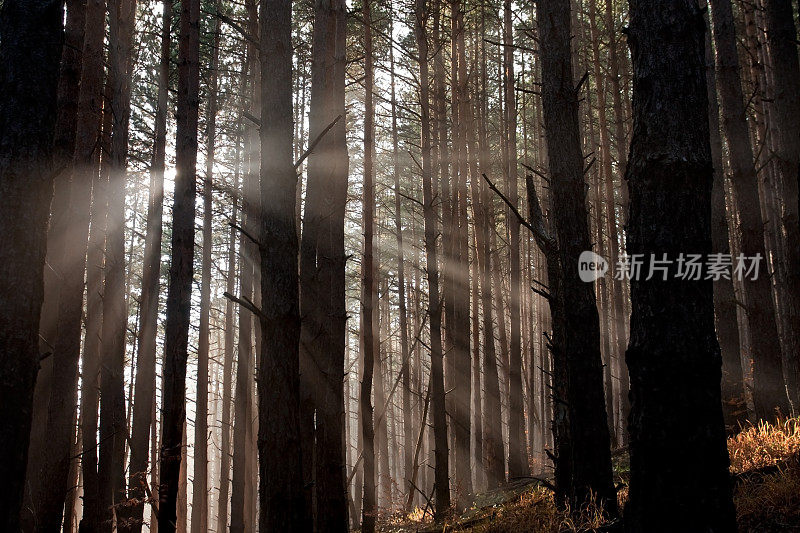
764	445
768	502
537	511
767	496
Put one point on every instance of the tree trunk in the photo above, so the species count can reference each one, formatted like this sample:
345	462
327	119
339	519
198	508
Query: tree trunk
769	391
280	475
734	406
32	35
90	368
679	462
576	345
179	294
782	39
230	325
200	481
49	460
143	405
408	426
516	456
368	287
113	429
322	263
240	488
442	482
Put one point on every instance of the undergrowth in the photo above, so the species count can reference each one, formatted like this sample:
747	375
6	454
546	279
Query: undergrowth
764	467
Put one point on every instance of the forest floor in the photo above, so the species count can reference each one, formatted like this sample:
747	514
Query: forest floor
765	467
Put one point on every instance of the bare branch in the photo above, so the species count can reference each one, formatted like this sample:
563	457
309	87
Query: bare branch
246	303
543	238
315	142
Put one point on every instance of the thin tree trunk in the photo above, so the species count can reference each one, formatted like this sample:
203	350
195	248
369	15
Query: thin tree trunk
769	391
230	324
143	423
734	407
113	428
92	344
442	482
200	480
368	287
408	427
181	269
516	455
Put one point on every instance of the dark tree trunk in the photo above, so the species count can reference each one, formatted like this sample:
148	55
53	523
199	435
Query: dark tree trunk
32	35
49	459
408	437
113	429
734	406
280	475
782	39
144	393
679	461
179	294
90	368
230	325
618	287
240	519
769	391
461	357
368	289
200	481
576	349
492	436
442	481
516	441
322	262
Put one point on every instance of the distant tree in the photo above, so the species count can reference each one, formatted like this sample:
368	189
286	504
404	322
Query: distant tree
769	390
144	393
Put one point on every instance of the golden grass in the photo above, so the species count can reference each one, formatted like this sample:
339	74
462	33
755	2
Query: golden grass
766	502
764	444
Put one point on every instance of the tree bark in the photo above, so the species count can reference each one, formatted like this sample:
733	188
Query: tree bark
782	39
113	429
281	477
408	437
679	461
516	455
49	459
200	481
